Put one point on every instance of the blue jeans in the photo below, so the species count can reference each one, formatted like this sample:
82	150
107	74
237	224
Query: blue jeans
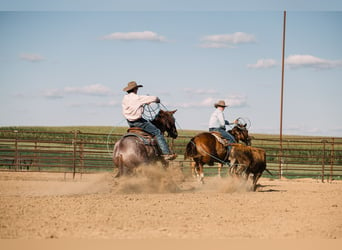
148	127
224	133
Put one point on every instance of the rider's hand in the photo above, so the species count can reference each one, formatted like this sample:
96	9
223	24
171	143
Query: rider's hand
236	121
158	100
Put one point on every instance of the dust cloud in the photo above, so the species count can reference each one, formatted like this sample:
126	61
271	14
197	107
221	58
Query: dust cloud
154	179
149	179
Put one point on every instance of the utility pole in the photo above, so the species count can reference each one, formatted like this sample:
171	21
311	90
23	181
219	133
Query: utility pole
282	100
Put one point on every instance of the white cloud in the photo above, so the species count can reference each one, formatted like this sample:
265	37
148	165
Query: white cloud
31	57
111	103
236	101
226	40
53	94
133	36
301	129
95	90
298	61
213	45
309	61
263	64
200	91
204	103
232	101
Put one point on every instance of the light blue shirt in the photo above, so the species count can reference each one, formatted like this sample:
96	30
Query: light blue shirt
217	120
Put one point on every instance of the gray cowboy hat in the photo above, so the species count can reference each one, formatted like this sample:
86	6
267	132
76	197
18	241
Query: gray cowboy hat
220	103
131	85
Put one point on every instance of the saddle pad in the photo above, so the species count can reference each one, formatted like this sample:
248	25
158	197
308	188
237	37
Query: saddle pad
145	137
220	139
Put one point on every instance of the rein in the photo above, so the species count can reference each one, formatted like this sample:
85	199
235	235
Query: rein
214	157
217	159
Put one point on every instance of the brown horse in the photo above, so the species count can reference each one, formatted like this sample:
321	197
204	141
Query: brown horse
206	148
138	147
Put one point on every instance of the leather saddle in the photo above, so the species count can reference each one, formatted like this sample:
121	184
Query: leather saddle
146	138
220	138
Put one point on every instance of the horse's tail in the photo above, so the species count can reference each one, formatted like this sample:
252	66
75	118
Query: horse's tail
190	149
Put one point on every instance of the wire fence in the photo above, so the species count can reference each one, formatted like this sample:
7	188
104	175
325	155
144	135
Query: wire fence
77	152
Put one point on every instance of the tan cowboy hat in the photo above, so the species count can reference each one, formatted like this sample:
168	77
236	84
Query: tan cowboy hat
220	103
131	85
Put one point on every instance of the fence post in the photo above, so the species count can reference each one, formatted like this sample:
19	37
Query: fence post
81	148
280	161
35	157
323	159
16	159
74	141
332	157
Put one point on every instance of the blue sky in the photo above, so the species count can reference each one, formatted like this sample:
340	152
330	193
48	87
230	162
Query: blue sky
66	68
174	5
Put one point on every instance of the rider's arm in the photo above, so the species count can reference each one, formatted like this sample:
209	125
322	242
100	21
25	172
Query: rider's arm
228	123
146	99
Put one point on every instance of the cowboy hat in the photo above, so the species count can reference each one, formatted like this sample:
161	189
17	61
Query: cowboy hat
131	85
220	103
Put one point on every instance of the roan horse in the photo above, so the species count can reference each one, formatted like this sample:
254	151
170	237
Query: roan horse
138	147
206	148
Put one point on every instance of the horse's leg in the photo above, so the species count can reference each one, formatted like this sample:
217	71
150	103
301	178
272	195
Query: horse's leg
198	167
220	165
232	169
194	168
201	173
256	177
119	162
164	163
244	172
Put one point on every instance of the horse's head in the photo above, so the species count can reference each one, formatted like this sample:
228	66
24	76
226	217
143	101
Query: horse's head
166	123
240	133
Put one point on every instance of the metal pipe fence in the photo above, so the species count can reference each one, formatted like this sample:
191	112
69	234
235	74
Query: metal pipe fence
77	152
304	157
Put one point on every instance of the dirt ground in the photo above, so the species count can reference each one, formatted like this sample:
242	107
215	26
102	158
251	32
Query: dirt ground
166	205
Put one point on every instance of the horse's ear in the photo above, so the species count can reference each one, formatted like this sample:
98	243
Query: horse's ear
245	125
173	111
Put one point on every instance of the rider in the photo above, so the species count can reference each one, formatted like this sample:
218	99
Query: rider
132	109
218	123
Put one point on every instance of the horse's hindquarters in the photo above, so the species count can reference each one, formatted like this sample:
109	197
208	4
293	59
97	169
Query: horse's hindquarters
129	152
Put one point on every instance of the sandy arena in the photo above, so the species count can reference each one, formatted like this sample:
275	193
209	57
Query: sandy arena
166	205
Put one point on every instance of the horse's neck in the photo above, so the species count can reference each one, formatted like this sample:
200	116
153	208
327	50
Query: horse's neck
234	135
159	125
